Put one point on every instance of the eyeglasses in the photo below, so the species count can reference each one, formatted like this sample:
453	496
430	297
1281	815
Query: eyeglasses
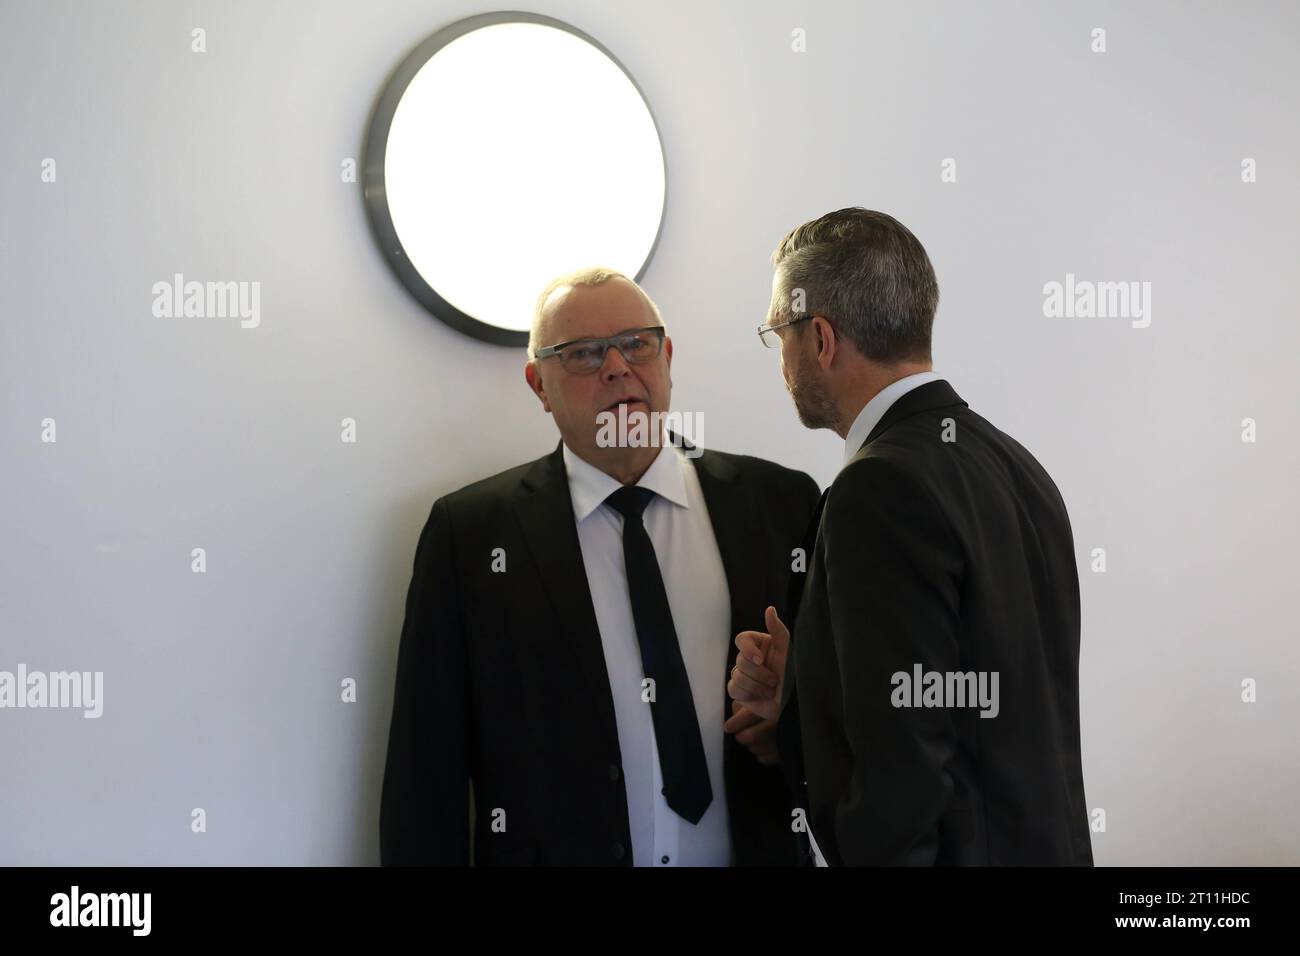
773	341
584	356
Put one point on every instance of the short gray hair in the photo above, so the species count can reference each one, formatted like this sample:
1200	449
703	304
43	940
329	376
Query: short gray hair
868	275
592	275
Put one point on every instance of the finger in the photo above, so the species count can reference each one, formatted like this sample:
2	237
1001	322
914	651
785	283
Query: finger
752	644
763	749
741	720
756	689
738	693
759	737
756	672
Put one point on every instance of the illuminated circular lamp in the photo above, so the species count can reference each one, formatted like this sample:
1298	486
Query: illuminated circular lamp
509	148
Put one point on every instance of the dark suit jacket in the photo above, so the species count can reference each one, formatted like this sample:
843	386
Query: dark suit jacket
501	676
956	555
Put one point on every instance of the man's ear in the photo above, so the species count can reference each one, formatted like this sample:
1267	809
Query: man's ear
534	379
827	344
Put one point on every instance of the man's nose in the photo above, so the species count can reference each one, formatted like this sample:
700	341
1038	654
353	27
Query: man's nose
614	365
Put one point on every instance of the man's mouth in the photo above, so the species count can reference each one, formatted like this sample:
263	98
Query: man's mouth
629	402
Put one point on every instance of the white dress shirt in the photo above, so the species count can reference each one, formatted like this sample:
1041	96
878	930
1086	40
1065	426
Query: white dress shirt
678	524
874	410
867	419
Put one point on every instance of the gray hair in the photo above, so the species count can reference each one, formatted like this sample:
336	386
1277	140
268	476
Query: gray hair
590	276
868	275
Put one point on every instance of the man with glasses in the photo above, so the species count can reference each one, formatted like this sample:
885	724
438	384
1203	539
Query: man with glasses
570	622
943	567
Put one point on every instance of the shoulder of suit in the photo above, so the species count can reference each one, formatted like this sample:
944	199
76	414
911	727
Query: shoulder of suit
761	469
491	491
886	461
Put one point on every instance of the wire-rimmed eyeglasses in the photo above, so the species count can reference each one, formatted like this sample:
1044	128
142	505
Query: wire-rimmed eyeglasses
584	356
773	341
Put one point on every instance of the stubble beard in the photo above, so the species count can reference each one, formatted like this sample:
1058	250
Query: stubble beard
812	403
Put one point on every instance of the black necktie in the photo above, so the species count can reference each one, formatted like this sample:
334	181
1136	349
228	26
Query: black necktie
677	732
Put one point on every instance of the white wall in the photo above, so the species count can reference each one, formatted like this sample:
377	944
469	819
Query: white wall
222	689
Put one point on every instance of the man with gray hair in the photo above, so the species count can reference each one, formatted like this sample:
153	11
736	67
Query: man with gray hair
569	627
942	559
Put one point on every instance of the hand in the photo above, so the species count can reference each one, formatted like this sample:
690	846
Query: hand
754	733
759	674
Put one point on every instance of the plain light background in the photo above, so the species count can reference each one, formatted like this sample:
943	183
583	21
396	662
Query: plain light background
222	690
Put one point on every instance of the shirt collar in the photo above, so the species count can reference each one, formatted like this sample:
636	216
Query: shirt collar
875	409
589	486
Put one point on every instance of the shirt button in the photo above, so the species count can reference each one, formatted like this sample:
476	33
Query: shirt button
614	772
617	851
663	859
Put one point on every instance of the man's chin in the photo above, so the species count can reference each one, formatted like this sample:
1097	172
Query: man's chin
814	417
628	427
810	421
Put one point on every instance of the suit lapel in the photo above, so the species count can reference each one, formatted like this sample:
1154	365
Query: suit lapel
545	511
721	485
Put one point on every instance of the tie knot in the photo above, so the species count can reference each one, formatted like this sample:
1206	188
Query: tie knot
630	501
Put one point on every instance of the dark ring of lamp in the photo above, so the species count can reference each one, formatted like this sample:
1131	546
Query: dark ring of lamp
509	148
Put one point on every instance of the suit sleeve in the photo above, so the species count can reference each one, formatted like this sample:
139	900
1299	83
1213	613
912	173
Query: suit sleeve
424	807
893	582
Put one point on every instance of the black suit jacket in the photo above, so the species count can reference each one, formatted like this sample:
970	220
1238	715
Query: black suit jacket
501	677
958	556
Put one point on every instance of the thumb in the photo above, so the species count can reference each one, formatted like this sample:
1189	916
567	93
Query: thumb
775	627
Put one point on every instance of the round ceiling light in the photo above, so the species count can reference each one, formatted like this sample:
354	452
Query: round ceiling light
509	148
